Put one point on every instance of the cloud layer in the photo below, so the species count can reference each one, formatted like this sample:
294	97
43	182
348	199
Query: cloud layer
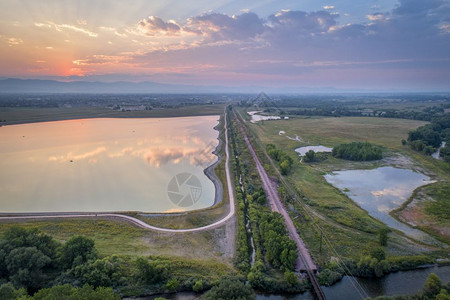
405	46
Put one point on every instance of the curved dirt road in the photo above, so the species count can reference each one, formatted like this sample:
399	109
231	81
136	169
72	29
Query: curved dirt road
142	224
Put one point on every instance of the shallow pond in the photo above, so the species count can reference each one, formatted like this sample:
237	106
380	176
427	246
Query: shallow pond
302	150
381	190
107	165
255	117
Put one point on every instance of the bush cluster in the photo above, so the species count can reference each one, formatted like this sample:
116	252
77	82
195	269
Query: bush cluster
358	151
284	160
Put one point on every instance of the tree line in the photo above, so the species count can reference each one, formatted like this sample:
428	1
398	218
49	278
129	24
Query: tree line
358	151
274	252
433	289
33	265
428	138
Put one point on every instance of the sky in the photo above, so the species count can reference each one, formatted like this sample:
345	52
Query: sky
344	44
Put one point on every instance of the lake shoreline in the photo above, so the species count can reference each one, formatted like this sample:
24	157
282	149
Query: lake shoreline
380	200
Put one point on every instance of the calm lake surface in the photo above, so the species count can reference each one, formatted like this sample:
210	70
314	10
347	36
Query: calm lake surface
302	150
255	117
381	190
99	165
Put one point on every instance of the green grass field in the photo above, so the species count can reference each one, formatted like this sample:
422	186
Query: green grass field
122	238
355	230
332	131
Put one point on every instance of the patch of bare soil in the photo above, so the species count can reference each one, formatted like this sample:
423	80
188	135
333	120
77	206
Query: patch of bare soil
399	161
224	238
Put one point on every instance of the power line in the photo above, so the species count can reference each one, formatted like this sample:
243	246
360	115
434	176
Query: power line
361	291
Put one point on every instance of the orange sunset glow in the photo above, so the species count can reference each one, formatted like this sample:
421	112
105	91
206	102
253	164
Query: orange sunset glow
233	43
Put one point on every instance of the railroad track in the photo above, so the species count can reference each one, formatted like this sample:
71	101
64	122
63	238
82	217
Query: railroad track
304	260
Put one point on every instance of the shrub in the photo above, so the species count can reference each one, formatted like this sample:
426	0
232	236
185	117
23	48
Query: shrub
229	289
358	151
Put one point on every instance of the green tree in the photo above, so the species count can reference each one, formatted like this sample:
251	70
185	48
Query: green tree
285	167
378	253
78	250
432	286
256	276
8	292
149	272
17	237
358	151
229	289
57	292
383	236
328	277
310	156
68	292
290	278
172	285
26	266
443	295
101	272
198	286
365	266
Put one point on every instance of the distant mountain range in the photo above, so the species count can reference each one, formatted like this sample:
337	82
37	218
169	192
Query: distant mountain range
15	85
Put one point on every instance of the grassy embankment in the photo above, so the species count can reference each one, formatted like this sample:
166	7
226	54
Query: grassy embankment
21	115
428	209
348	228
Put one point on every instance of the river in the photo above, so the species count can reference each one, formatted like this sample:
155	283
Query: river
398	283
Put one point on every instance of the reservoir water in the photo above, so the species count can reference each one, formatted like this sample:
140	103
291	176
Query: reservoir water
99	165
381	190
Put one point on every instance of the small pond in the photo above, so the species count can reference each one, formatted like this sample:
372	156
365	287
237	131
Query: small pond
302	150
381	190
255	117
